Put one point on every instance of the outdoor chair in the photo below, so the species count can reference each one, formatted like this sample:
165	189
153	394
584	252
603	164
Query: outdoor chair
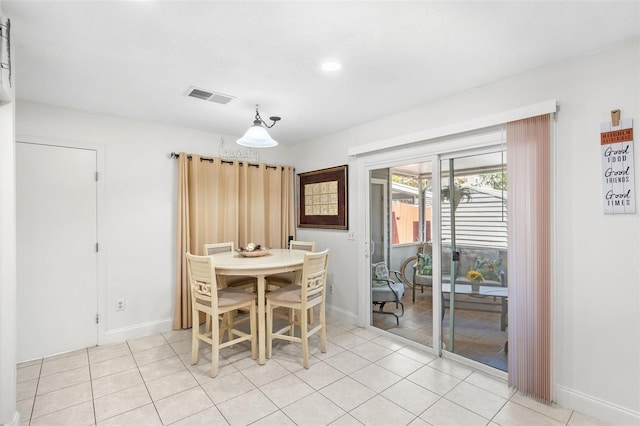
385	290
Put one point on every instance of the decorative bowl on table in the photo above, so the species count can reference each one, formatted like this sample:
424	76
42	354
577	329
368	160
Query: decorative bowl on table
253	250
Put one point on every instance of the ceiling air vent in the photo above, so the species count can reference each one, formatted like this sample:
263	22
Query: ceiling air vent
219	98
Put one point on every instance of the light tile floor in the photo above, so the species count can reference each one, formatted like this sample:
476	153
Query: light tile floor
364	378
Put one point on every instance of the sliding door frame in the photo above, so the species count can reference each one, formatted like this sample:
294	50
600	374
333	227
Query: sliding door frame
421	152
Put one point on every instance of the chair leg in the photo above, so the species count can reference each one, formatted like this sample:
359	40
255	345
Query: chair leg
195	331
230	318
223	327
254	331
304	337
323	330
215	350
269	341
292	321
311	316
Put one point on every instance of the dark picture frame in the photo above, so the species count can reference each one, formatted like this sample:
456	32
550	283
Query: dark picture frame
322	199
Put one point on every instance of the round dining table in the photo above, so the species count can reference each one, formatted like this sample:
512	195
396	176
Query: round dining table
275	262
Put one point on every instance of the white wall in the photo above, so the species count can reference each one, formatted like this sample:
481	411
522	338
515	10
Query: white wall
140	192
596	257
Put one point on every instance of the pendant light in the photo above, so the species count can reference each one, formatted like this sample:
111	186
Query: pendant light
257	135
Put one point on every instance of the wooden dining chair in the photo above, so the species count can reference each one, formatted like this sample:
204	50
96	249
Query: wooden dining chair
288	278
285	279
214	303
231	281
300	299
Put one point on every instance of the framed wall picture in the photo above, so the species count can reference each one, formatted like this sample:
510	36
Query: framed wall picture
322	198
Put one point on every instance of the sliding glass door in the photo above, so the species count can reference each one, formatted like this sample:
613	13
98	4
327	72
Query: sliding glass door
440	220
400	207
474	248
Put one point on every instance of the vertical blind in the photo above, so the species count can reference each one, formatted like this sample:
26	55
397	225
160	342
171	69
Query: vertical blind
529	264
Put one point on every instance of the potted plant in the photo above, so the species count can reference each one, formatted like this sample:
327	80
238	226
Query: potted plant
460	194
475	278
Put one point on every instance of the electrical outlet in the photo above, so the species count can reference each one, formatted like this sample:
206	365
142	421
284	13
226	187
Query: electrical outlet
120	305
330	288
351	236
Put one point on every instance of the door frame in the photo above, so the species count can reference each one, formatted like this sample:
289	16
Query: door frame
385	220
100	218
423	151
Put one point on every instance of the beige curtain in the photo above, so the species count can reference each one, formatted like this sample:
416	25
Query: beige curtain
223	200
529	230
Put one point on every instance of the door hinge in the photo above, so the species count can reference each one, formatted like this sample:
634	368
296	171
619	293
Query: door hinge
97	318
96	176
96	247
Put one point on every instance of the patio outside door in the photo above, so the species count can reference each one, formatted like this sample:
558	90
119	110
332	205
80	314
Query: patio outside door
400	223
474	256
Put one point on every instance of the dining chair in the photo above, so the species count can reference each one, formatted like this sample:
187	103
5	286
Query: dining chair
231	281
300	299
207	299
288	278
285	279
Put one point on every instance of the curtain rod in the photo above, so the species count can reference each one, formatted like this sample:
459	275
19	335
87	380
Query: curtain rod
211	160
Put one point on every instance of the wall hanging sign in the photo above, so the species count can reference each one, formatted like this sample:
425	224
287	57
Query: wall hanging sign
322	198
236	153
618	182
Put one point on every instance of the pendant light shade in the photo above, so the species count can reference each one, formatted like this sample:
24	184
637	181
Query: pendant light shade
257	136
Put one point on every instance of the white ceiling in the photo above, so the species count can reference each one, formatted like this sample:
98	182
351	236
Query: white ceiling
136	59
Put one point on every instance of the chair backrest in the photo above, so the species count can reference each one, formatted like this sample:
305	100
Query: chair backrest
314	274
302	245
216	248
380	271
425	248
202	279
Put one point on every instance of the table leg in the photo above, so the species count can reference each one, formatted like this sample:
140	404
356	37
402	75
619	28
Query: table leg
503	314
262	344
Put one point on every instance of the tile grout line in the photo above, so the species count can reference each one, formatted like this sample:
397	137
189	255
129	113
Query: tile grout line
64	387
198	385
315	391
35	396
144	381
93	400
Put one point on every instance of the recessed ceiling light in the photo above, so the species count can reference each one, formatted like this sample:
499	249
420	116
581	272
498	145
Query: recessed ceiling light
331	66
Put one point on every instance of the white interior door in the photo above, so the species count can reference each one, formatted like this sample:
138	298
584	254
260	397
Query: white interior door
56	249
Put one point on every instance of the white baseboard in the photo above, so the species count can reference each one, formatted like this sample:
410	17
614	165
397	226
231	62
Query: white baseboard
16	420
596	407
134	331
343	315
